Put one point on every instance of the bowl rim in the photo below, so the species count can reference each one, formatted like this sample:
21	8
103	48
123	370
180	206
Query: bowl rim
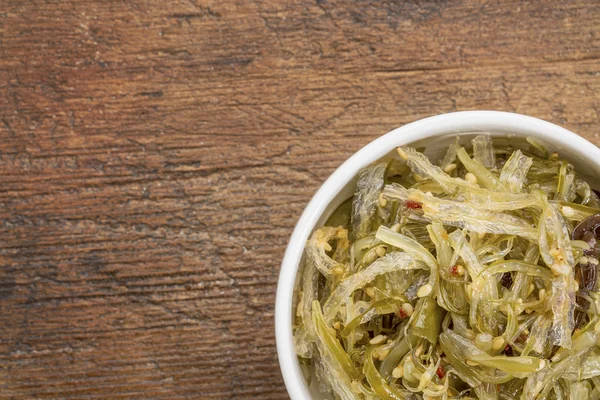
438	125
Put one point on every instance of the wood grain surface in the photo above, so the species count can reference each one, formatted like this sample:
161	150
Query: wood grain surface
155	156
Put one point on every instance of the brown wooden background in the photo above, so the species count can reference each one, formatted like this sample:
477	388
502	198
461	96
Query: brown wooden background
155	155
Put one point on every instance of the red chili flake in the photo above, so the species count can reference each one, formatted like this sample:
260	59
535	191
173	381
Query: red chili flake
440	372
413	204
402	313
454	270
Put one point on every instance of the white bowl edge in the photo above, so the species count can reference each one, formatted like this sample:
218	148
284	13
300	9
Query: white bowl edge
575	148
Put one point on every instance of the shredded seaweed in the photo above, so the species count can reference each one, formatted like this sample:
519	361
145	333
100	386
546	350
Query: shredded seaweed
473	278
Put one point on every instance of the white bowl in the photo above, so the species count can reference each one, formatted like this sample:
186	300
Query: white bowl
434	132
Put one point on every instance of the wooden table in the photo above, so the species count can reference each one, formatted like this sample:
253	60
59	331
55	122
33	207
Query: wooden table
155	156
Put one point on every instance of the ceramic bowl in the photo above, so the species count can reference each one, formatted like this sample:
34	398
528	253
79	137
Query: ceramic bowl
434	133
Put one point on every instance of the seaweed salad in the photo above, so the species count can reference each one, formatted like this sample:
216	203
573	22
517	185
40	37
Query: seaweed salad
470	277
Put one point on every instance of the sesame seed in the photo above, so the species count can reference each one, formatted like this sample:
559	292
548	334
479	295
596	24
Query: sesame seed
398	371
498	343
337	325
383	354
338	270
408	309
531	289
542	293
382	200
378	339
472	363
327	247
567	211
584	260
380	251
449	168
471	178
424	290
542	364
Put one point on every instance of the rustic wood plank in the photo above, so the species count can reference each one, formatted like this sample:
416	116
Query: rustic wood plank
154	158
